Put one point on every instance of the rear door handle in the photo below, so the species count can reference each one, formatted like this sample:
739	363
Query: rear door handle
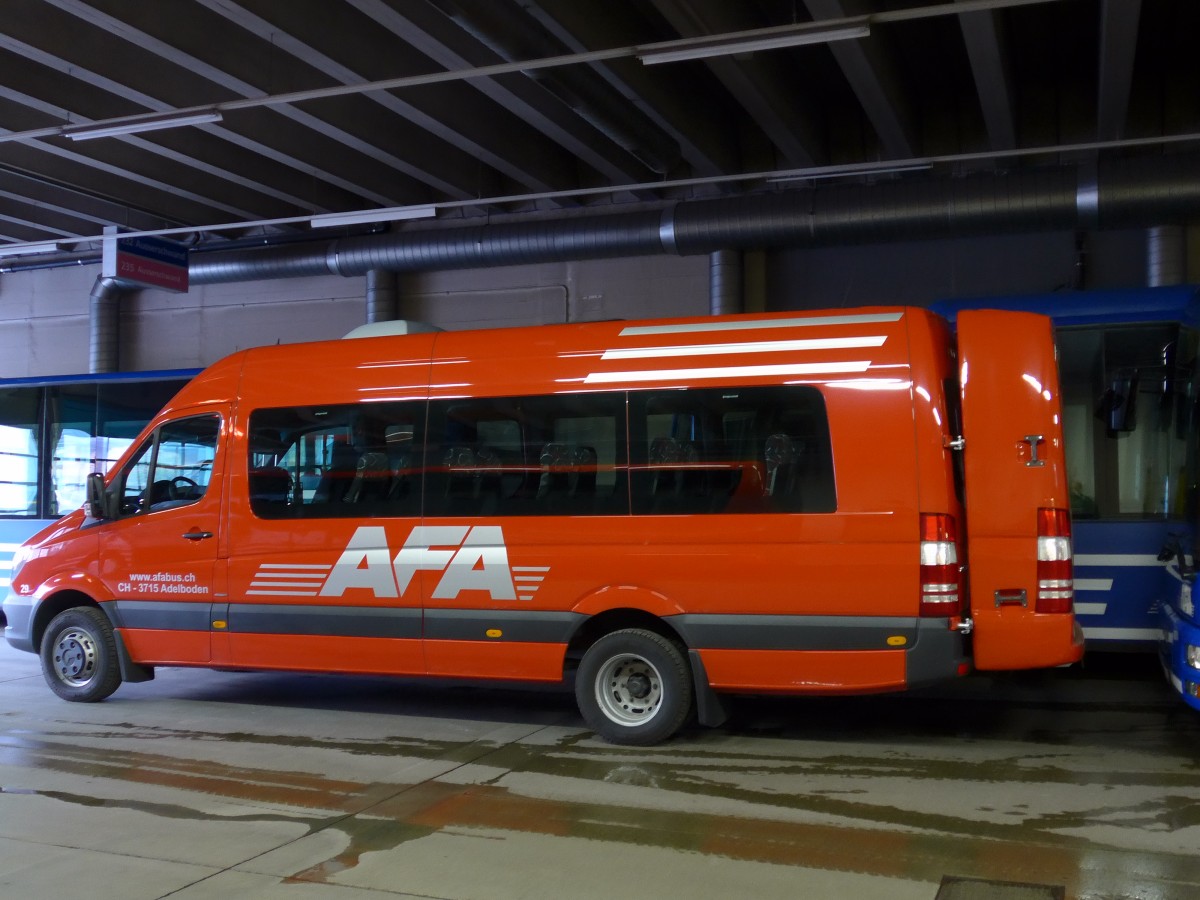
197	535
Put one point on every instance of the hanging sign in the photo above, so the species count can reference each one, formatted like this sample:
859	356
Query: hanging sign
149	261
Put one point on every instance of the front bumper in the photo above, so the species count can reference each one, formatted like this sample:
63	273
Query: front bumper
18	620
1178	634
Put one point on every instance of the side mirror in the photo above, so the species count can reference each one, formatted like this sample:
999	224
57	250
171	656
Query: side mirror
97	499
1174	549
1118	405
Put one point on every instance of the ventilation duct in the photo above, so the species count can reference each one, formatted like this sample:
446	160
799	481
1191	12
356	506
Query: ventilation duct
1166	256
1137	193
725	282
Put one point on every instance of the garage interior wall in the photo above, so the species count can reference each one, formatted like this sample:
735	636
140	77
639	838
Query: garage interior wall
44	319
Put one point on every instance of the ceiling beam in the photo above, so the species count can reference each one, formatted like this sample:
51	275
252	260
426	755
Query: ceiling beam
766	94
875	80
206	70
1118	44
986	50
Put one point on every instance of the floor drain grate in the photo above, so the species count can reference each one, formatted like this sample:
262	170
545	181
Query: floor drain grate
954	888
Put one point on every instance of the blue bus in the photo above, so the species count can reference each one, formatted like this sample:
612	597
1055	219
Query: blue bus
55	431
1127	363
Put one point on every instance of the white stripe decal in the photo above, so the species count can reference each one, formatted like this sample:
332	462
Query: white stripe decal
9	548
1122	634
751	324
1093	584
848	343
295	566
307	585
1090	609
727	372
1116	559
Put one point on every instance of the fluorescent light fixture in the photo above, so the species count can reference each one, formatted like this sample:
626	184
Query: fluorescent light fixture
37	247
138	124
368	216
847	171
722	45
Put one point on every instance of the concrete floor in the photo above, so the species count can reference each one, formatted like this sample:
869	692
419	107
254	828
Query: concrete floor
223	785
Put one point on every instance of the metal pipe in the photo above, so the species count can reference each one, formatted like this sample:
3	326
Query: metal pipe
104	313
725	282
1126	194
382	295
1144	192
1165	258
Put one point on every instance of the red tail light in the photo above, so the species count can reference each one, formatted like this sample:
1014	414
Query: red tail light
1055	575
941	577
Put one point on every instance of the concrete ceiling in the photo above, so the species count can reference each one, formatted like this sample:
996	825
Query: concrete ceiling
538	108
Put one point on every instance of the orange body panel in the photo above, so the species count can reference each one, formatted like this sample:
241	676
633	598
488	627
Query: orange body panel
806	671
821	600
168	648
325	653
512	661
1015	465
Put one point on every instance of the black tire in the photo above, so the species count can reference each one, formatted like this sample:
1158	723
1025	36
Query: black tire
634	687
79	655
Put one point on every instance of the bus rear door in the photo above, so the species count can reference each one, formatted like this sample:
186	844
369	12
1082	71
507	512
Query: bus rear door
1019	567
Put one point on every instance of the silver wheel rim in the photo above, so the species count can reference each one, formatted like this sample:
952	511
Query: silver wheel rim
629	690
75	657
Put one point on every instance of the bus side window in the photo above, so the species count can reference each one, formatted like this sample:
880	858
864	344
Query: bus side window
735	450
348	460
516	456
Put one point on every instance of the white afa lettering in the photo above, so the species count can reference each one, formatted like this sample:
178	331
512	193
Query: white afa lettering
427	548
365	563
472	559
481	564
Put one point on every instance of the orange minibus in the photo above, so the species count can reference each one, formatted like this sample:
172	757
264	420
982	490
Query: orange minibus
665	513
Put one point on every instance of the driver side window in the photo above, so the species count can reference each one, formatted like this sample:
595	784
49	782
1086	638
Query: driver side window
173	468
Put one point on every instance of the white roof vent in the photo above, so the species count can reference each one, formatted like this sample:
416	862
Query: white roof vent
394	327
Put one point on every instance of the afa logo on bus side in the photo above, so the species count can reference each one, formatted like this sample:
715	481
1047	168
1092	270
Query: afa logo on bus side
471	558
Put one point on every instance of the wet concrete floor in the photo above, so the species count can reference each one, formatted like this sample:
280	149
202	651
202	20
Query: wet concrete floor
226	785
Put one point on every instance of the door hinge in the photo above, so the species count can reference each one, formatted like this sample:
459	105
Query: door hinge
1033	440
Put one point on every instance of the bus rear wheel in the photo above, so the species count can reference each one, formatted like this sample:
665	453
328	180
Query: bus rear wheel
79	655
634	687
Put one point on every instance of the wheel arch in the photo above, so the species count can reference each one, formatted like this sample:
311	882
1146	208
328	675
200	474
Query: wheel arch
53	604
711	708
59	602
594	627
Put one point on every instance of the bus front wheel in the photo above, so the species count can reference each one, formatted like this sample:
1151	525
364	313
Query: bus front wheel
634	687
79	655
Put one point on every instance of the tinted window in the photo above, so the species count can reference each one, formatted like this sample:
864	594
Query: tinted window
334	461
730	450
512	456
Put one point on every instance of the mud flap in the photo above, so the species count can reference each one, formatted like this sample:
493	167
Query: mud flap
711	708
130	671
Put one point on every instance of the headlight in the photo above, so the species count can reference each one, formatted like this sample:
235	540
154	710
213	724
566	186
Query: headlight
1193	656
20	557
